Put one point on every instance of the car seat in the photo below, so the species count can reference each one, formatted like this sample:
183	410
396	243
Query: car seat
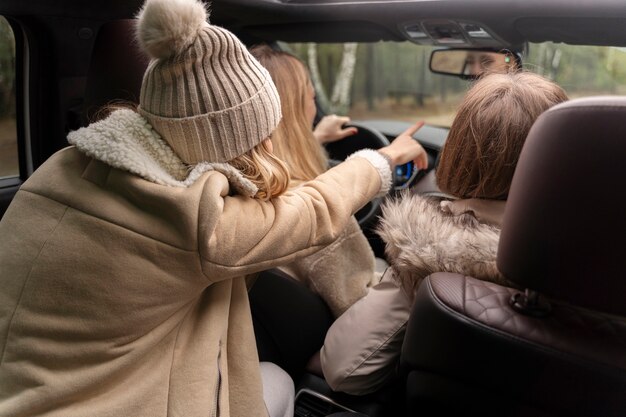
290	321
558	348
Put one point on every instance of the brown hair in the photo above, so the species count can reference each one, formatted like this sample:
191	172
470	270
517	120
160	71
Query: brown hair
293	139
489	130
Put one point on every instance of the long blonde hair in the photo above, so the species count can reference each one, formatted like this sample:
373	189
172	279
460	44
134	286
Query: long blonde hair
264	169
293	139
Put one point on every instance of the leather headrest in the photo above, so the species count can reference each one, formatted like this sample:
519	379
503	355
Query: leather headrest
564	230
117	66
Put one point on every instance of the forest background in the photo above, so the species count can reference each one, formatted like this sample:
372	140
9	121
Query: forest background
384	80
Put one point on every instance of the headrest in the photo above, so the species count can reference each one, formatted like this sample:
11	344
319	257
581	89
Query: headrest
117	66
564	230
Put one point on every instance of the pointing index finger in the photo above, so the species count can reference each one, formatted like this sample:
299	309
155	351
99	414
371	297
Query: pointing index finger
411	130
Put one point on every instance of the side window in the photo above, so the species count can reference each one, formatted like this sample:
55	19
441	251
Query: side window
9	166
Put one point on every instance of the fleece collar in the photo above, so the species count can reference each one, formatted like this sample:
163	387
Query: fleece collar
125	140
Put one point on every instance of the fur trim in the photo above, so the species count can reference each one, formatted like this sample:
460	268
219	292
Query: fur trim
126	141
421	239
381	164
168	27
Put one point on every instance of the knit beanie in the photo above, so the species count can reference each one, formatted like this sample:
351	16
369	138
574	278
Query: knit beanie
202	92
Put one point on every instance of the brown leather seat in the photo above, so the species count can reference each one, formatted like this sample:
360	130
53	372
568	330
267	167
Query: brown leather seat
478	348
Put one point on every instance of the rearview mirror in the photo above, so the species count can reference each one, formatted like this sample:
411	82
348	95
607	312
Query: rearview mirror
471	63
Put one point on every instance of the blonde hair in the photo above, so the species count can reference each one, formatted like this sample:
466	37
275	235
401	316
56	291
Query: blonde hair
489	130
105	111
264	169
293	139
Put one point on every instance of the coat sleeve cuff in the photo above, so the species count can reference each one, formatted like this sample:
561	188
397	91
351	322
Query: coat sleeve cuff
382	165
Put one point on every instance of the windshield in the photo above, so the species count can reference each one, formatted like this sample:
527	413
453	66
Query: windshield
391	80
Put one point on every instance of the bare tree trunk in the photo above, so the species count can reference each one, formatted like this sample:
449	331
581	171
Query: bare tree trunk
555	62
421	79
541	60
340	99
316	79
369	76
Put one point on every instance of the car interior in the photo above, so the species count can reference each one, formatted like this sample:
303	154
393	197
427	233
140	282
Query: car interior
556	349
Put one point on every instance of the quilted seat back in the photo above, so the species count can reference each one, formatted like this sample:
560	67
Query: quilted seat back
559	347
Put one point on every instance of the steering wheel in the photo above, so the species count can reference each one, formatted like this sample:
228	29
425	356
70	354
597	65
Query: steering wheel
365	137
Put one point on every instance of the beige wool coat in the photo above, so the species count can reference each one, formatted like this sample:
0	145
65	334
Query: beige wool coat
341	272
123	275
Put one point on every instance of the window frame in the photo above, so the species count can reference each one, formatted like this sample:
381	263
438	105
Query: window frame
21	89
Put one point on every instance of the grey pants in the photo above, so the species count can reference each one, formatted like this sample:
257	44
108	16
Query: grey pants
278	390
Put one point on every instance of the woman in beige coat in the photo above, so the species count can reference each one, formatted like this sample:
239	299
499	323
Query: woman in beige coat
425	235
123	259
342	271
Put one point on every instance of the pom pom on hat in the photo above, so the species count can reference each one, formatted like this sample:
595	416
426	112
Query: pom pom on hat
209	107
167	27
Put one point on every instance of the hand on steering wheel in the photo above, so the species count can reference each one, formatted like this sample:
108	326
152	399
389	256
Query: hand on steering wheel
406	149
364	137
332	128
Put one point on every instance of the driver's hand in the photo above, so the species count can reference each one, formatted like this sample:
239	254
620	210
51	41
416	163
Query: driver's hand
330	129
404	149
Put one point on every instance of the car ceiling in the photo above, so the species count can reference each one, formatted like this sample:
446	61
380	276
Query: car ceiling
510	22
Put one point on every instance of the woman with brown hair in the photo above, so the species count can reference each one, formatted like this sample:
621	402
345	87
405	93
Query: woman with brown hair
426	235
342	271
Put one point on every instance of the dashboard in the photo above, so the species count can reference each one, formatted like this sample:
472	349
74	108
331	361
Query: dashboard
432	138
374	134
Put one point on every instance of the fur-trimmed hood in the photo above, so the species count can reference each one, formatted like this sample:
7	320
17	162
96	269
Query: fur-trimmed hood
421	239
125	140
